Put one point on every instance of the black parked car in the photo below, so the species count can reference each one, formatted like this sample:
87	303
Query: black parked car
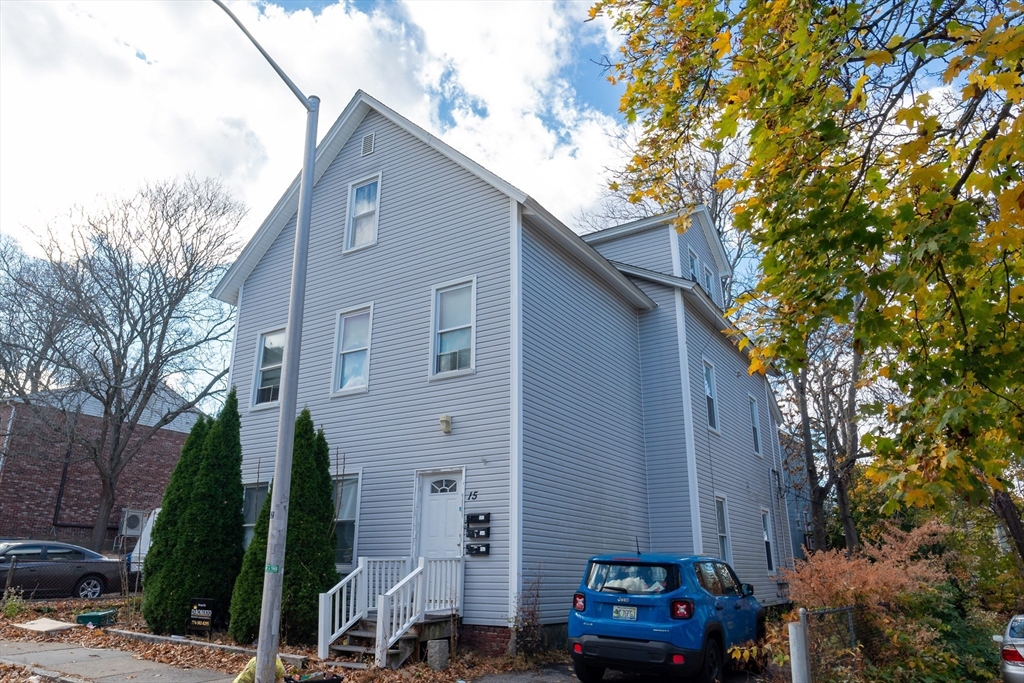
50	569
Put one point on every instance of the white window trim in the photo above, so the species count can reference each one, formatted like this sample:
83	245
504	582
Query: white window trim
728	532
358	473
755	414
771	540
695	271
252	485
256	370
709	283
348	212
337	351
717	429
431	375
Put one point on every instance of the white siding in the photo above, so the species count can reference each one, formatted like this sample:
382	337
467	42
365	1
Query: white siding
584	478
437	223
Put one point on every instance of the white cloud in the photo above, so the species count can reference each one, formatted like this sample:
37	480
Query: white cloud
97	96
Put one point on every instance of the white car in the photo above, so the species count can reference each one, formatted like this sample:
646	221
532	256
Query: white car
1012	643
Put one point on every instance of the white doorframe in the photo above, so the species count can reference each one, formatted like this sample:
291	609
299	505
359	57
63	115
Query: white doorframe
418	476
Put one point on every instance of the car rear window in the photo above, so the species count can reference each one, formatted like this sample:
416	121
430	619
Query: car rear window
632	577
1016	627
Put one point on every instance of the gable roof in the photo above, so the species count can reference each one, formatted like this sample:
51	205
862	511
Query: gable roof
360	105
699	214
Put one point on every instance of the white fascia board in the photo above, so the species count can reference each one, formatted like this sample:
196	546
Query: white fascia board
699	214
587	255
329	147
691	291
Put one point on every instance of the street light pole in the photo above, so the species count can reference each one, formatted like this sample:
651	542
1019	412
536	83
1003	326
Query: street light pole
273	576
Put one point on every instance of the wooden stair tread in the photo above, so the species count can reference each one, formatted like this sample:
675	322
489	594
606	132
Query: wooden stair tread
347	665
355	649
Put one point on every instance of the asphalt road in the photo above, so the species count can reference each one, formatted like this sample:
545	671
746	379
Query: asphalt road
562	673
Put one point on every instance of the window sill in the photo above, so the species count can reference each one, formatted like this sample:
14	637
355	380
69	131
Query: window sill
265	406
714	430
349	392
451	373
351	250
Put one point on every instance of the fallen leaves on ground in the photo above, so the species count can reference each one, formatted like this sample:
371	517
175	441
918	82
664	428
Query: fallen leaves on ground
13	673
464	666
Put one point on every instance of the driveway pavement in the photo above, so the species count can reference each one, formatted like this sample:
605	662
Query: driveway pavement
70	663
562	673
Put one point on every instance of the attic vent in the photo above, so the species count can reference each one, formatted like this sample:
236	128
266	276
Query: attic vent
368	144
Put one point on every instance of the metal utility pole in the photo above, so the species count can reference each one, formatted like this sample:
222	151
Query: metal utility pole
273	577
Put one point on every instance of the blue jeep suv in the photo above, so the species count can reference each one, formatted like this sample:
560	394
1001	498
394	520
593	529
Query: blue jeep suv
662	614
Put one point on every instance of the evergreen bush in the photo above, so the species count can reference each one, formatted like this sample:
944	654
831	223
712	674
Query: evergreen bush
157	600
309	550
197	537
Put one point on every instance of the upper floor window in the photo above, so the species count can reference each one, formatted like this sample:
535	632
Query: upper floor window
709	279
694	265
363	205
352	363
755	425
711	394
454	313
268	378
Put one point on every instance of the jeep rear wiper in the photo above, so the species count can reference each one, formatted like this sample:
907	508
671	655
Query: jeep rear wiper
614	589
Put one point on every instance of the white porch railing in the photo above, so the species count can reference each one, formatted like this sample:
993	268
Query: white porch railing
400	594
355	597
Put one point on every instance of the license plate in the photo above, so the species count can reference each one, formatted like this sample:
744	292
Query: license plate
622	612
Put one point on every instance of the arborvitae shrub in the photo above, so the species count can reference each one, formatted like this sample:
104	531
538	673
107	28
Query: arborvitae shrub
208	555
157	601
309	551
200	553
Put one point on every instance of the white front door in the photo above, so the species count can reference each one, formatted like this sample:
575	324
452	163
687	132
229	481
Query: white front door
441	515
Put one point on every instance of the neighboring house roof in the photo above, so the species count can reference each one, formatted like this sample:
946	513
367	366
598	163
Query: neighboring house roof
332	143
700	216
164	400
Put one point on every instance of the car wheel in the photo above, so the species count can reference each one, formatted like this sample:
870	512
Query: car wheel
711	669
88	587
588	673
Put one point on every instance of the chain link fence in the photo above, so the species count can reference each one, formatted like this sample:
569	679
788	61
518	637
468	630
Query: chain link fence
40	570
840	640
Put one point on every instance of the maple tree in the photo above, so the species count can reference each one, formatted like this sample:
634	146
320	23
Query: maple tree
883	190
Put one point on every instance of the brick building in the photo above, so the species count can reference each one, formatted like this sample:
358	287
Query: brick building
50	488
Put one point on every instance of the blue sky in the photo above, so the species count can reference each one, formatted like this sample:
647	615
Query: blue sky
97	96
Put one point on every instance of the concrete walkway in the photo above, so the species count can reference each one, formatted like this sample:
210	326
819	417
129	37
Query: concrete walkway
70	663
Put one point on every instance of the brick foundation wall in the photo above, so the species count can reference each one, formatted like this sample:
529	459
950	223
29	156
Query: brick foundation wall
34	463
491	641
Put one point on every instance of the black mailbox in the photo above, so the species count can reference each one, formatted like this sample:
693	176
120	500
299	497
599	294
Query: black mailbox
478	548
479	518
484	532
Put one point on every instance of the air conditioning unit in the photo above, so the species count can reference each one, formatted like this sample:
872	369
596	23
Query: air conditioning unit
132	522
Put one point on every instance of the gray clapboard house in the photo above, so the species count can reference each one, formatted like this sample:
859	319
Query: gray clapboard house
467	354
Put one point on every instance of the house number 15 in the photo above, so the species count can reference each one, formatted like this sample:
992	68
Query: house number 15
471	495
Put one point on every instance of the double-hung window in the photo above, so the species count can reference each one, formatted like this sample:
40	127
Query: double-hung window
363	207
755	425
722	518
252	503
346	508
454	313
352	362
766	526
709	279
711	395
694	265
268	377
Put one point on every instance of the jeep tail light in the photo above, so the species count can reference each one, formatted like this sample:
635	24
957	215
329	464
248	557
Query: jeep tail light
1012	654
579	602
678	659
682	609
